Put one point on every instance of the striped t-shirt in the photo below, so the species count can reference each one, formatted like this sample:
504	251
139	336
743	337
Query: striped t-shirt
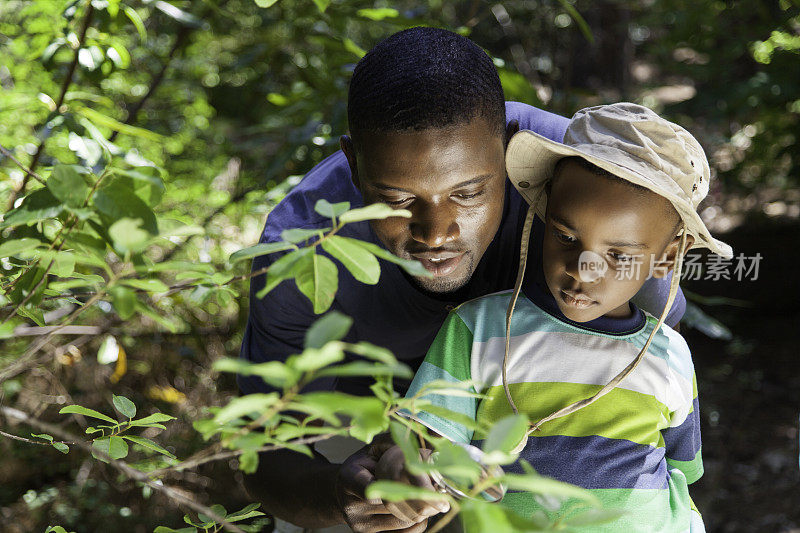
636	449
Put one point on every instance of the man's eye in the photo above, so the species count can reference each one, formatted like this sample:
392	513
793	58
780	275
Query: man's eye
564	238
468	196
396	202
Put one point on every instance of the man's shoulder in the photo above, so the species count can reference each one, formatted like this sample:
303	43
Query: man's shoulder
532	118
329	180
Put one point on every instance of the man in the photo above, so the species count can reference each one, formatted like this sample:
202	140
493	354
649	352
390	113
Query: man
428	126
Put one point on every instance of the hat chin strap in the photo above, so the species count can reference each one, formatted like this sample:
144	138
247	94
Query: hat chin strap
616	380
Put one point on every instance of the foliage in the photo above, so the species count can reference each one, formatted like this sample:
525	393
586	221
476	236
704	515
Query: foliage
143	143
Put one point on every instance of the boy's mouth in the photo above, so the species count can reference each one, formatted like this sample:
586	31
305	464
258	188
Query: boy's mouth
576	299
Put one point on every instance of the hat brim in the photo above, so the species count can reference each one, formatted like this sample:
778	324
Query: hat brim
531	160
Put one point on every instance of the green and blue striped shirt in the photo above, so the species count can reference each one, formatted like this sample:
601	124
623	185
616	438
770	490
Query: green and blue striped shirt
636	449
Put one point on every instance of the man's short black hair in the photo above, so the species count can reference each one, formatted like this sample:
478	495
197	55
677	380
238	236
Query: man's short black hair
423	78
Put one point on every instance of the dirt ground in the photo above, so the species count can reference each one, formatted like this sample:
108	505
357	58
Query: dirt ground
749	388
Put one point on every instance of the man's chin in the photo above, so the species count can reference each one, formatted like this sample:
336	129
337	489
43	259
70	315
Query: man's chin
441	285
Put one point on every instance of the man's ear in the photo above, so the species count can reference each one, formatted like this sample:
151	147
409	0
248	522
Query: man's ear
349	150
666	262
511	128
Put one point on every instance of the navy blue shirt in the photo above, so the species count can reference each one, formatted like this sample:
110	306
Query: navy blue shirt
394	313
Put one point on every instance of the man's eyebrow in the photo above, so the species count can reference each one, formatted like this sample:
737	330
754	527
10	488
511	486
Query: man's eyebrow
473	181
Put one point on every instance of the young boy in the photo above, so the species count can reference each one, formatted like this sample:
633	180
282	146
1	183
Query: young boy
615	198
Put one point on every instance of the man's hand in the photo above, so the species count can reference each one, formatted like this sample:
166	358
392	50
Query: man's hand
369	516
391	466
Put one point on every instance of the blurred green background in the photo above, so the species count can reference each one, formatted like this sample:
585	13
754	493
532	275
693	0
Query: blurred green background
248	95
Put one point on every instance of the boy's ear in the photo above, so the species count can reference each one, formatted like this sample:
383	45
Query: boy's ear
349	150
666	263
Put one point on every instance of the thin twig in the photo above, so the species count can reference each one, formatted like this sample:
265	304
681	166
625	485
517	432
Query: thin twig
25	169
87	20
122	466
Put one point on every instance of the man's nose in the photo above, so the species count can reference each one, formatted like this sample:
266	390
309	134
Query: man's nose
433	225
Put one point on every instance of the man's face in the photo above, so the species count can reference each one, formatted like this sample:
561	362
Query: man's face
453	182
601	238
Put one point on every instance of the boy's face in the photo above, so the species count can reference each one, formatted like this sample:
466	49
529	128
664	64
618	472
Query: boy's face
601	240
453	182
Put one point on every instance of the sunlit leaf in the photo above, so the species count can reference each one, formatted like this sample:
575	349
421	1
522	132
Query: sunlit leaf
506	434
263	248
85	411
15	246
373	212
149	444
361	263
296	235
318	278
379	13
244	405
124	406
413	267
331	327
327	209
394	491
124	301
67	185
128	235
38	205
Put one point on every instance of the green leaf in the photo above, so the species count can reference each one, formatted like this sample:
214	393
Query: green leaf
60	446
313	359
124	300
38	205
217	510
379	13
363	368
248	512
117	201
453	416
394	491
538	484
114	446
331	327
137	22
155	418
128	235
275	373
327	209
263	248
296	235
373	212
147	443
15	246
119	55
362	264
318	279
368	415
149	285
165	529
282	269
322	5
354	49
149	188
179	15
124	405
248	462
506	434
85	411
265	3
245	405
67	185
115	125
370	351
414	268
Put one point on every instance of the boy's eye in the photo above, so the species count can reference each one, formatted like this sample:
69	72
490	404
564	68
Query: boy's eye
620	257
564	238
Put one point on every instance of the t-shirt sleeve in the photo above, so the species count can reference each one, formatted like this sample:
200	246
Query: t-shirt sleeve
537	120
652	297
682	440
448	360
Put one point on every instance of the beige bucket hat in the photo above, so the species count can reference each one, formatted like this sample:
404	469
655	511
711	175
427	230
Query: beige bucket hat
633	143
